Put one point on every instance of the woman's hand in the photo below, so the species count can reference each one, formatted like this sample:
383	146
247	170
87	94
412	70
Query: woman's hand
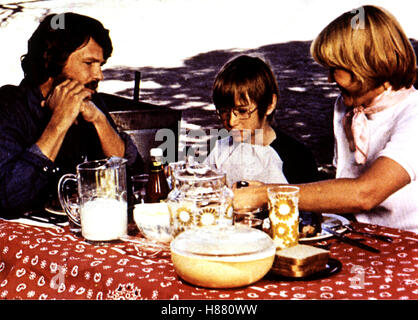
251	196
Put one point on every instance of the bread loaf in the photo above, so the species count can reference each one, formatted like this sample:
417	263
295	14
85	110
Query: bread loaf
301	254
300	260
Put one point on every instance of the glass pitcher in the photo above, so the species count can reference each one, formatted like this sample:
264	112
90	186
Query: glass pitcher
100	206
200	198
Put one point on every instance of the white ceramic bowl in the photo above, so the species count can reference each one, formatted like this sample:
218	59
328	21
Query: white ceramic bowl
153	221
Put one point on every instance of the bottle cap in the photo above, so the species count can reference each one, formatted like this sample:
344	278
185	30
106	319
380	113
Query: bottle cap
156	152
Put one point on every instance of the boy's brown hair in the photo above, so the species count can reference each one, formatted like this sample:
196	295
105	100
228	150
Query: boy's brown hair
245	77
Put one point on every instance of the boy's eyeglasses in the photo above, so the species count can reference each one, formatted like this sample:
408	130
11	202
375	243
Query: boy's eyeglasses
242	113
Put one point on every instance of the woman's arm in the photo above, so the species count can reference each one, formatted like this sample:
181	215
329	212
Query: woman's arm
384	178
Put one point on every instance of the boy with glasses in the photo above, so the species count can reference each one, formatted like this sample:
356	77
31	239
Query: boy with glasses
245	95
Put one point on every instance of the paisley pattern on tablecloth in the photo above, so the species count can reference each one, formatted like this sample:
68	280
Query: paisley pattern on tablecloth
52	263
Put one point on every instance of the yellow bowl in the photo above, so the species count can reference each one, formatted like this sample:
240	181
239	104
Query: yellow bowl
222	256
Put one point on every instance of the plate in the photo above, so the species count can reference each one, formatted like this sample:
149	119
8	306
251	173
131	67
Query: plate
54	208
333	266
329	220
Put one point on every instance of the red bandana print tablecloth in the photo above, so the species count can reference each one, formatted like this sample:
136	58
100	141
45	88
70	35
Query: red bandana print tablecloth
52	263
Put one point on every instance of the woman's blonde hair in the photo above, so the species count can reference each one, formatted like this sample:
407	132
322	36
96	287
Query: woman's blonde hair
370	43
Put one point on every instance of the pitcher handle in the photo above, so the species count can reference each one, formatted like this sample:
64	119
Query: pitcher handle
71	208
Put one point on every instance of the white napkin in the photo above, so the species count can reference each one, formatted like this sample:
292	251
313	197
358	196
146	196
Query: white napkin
31	222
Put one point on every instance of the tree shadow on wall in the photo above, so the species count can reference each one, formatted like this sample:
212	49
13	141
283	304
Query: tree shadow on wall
9	11
306	98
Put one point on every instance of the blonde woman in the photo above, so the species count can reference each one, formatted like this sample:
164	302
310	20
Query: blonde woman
375	124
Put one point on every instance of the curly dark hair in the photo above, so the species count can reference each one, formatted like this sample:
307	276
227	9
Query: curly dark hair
50	45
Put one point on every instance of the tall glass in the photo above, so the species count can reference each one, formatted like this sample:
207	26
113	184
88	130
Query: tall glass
174	167
139	187
284	215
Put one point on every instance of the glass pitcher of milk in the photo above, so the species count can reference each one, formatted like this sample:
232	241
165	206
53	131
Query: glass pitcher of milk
100	207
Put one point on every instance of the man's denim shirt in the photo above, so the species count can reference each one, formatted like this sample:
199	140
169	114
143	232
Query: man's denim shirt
27	176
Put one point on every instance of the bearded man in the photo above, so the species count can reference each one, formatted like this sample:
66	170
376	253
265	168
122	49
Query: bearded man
54	119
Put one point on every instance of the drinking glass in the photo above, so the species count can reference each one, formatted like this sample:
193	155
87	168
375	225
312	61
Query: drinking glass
284	215
251	217
174	167
139	187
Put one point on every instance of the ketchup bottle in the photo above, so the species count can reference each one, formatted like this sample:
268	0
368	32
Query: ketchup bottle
157	186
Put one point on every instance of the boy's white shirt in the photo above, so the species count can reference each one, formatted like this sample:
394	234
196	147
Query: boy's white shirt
245	161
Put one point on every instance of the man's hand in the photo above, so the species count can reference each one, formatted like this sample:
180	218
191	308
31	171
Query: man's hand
91	113
65	103
112	144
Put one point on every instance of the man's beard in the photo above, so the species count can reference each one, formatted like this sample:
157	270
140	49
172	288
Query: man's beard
92	85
